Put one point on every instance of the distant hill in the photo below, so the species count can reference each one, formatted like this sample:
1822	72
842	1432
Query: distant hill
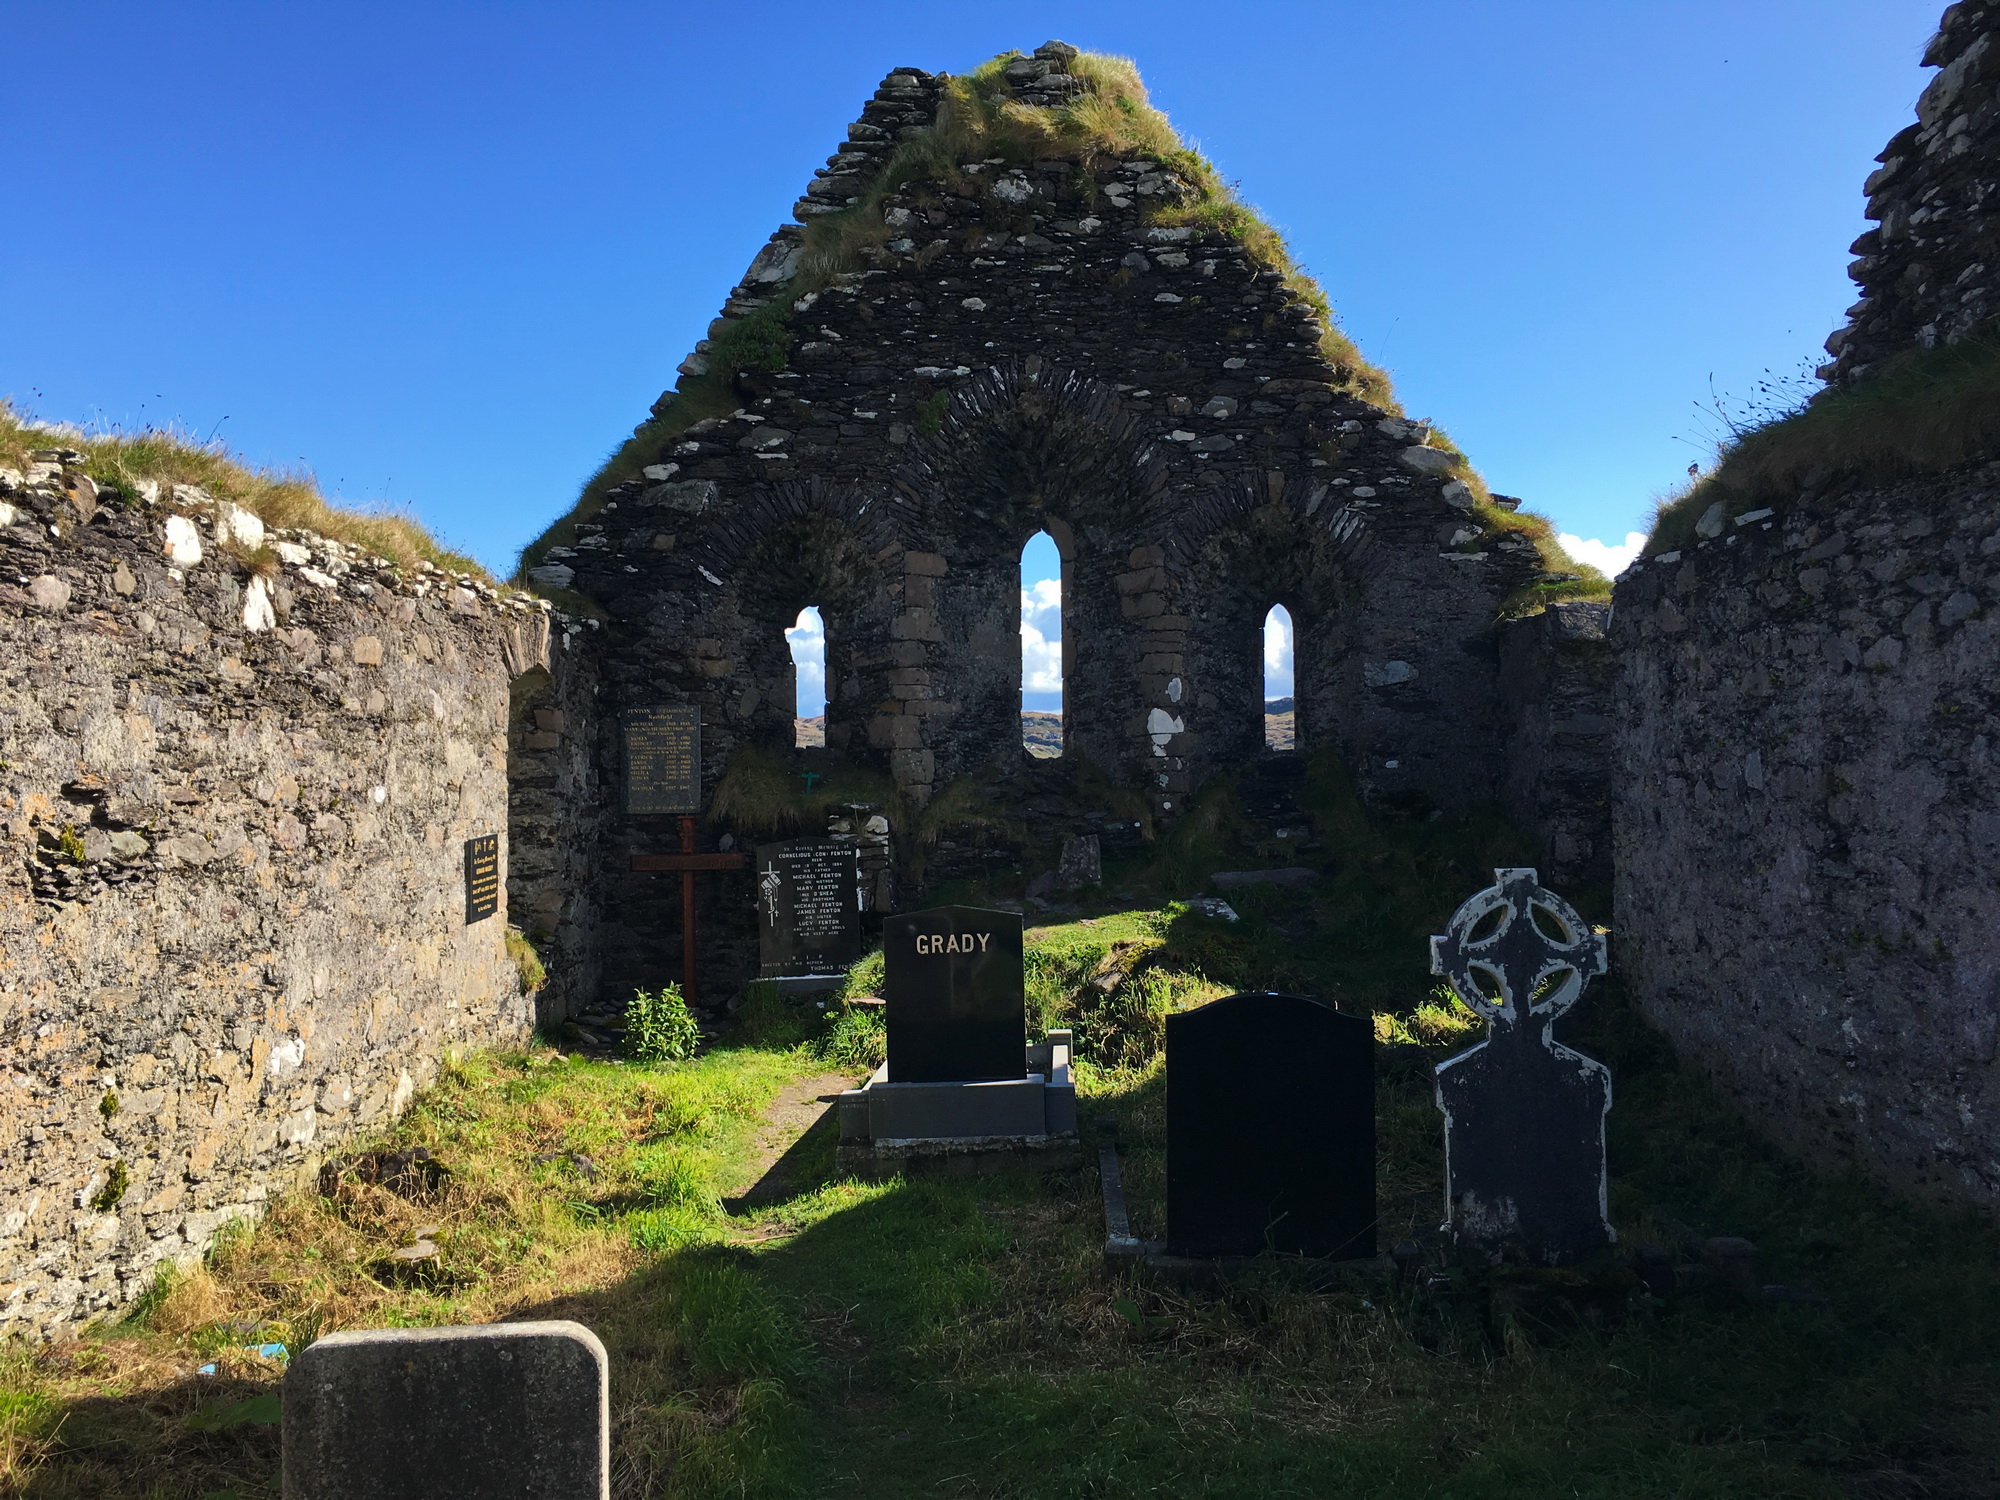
1041	733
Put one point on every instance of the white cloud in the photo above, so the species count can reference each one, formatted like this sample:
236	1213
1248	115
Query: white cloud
1041	637
1609	558
808	642
1278	653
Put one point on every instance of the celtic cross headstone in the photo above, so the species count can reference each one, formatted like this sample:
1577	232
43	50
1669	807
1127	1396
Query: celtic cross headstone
1524	1115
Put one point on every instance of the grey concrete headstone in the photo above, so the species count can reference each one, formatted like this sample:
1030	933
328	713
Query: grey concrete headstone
504	1411
1523	1114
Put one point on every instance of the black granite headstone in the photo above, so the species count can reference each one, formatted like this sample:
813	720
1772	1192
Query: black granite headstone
663	759
1523	1114
482	877
955	1006
1270	1129
808	908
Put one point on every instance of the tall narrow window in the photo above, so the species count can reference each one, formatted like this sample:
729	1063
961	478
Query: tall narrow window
1280	706
807	638
1041	647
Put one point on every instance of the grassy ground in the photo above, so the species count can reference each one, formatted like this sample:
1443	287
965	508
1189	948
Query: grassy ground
827	1337
961	1337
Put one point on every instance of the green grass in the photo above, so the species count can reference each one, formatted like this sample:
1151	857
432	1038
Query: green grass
961	1336
1924	412
122	460
942	1336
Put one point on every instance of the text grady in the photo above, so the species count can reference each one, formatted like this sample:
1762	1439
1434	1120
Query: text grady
953	942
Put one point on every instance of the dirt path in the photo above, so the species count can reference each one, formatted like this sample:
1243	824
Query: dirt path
805	1107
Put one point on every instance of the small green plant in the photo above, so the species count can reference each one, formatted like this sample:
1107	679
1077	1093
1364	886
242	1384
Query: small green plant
527	962
113	1191
108	1105
930	413
858	1037
70	844
658	1027
216	1415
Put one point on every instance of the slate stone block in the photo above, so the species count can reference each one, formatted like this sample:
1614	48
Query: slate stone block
951	981
1270	1129
507	1411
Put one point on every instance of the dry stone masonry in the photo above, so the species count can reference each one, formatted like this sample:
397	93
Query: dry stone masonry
1929	272
237	771
1028	349
1806	825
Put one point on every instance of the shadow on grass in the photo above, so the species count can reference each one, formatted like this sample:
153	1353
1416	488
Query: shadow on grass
961	1336
949	1335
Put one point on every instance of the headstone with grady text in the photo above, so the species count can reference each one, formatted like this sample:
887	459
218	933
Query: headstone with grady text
808	909
1523	1114
1270	1129
504	1411
955	1005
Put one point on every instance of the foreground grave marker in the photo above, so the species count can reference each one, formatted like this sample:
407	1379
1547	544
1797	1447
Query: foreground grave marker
961	1086
1524	1115
1270	1129
506	1411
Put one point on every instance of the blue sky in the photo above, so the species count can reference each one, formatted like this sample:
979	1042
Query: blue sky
445	255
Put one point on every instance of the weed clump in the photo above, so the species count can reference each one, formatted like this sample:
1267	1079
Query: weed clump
658	1027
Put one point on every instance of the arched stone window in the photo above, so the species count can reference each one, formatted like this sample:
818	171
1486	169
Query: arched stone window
1042	647
807	638
1280	699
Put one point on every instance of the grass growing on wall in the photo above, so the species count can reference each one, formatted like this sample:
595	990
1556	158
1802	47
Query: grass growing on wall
278	498
1927	411
979	120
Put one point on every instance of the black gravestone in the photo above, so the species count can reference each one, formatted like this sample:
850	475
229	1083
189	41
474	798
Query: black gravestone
1270	1129
482	877
663	759
951	978
1523	1114
808	909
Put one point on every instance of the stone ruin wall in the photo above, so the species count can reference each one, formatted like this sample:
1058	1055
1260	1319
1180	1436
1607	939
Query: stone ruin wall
1805	822
1025	353
1559	676
1808	897
1929	272
261	951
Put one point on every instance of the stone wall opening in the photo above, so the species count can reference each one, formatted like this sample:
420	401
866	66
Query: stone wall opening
1280	710
807	638
1044	647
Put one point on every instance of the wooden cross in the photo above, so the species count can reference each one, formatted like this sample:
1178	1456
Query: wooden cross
687	863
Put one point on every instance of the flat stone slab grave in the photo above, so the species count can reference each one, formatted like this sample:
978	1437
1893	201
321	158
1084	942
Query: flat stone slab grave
503	1411
1523	1114
1270	1130
808	912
